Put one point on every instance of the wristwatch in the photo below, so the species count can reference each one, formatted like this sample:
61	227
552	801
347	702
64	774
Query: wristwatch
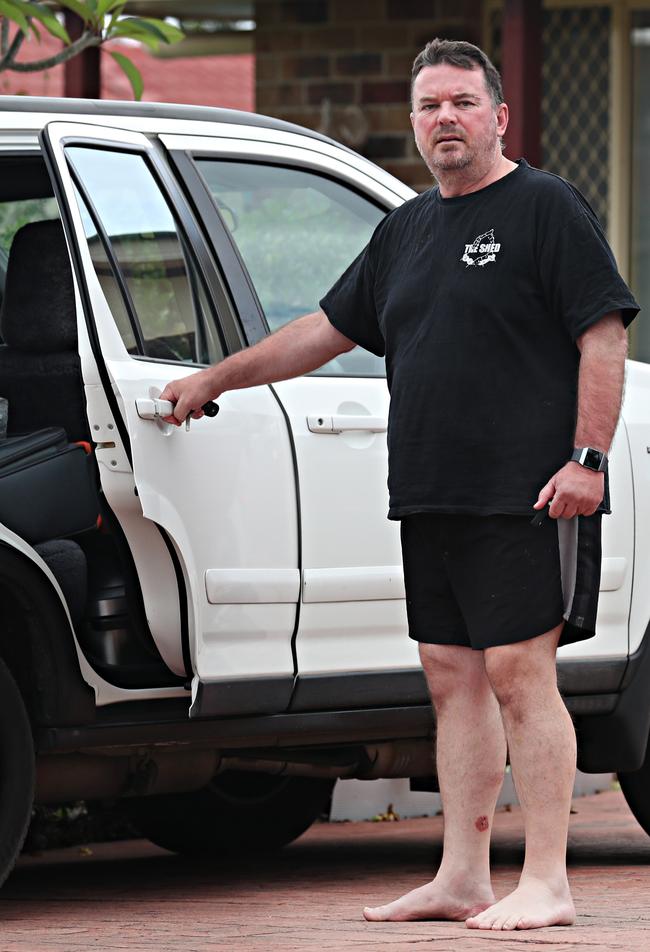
590	458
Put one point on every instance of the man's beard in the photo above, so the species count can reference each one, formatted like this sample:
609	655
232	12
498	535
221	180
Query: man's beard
454	161
449	161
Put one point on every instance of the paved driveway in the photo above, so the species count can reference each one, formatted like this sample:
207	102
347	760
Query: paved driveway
133	896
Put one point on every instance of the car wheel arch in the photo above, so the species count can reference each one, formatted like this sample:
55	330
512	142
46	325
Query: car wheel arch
32	605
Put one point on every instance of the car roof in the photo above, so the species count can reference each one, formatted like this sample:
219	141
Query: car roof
155	110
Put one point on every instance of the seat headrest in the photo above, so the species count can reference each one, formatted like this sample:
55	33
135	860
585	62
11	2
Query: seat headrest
38	309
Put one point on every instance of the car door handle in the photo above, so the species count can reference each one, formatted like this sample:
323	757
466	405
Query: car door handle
344	422
150	409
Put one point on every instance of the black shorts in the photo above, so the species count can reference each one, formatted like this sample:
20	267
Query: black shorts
482	581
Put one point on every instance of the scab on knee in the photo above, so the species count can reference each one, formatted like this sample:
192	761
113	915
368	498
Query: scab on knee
482	824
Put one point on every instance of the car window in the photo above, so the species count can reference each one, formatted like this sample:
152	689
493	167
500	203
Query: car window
296	231
141	258
15	214
107	279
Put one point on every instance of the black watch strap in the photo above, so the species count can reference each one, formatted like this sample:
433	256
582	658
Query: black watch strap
590	458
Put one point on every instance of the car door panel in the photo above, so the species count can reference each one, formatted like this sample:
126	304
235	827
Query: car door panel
352	615
224	492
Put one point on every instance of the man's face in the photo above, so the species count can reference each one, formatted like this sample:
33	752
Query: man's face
454	119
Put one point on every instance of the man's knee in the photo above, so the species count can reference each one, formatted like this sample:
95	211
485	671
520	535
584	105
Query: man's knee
521	671
451	669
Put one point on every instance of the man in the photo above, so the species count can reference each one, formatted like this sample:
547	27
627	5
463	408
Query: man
498	305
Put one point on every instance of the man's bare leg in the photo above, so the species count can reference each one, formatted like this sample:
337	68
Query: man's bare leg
471	755
542	745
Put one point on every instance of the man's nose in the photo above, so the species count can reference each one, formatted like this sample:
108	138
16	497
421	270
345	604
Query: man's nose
447	113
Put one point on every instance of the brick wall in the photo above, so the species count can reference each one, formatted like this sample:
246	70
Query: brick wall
343	67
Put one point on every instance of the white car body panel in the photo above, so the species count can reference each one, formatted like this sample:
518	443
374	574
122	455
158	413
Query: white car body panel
184	134
225	494
150	556
636	414
297	151
347	541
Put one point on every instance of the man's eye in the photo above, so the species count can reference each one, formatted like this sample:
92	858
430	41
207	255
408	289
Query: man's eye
429	105
466	102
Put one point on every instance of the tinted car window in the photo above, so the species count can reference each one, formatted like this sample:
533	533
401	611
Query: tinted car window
15	214
163	290
296	232
107	279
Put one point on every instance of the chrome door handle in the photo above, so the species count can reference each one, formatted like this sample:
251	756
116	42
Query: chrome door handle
342	423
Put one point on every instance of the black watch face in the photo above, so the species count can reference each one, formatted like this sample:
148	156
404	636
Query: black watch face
592	459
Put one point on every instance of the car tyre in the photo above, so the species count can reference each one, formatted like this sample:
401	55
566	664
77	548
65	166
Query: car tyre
236	811
17	771
636	790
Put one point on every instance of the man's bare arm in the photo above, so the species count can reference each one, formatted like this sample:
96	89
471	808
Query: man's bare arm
603	349
575	490
295	349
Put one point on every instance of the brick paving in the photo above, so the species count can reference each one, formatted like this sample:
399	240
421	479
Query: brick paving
133	896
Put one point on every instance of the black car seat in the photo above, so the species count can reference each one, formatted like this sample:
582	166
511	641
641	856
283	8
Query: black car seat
40	372
40	375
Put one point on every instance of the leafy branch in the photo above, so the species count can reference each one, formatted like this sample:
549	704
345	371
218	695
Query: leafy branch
101	20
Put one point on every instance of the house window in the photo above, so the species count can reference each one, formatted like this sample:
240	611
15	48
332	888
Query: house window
575	99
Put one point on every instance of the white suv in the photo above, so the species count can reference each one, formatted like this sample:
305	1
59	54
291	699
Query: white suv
210	622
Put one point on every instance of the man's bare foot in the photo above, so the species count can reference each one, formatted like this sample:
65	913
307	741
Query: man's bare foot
433	901
532	905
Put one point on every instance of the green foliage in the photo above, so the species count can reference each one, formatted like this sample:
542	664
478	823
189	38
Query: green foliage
102	20
49	21
131	72
13	215
14	11
74	824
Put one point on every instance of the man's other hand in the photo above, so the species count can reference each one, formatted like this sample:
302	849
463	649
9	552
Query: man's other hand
572	491
188	396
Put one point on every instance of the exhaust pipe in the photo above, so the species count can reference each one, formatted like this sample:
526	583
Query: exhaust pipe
64	777
413	758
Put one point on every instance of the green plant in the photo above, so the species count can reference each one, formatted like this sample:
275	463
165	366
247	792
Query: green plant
102	20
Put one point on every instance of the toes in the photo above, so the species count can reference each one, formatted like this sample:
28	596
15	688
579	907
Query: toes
382	913
373	914
512	922
480	922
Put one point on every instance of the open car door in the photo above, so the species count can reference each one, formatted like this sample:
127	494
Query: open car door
223	492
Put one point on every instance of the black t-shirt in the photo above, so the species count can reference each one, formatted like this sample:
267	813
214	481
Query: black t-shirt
477	302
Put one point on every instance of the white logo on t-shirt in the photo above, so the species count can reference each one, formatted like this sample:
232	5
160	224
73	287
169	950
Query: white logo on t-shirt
484	248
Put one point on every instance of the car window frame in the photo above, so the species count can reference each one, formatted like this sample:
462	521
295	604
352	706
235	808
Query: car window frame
190	234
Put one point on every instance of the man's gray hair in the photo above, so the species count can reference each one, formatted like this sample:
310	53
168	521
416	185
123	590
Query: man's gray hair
461	54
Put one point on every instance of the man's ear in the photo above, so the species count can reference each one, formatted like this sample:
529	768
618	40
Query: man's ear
412	118
503	114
